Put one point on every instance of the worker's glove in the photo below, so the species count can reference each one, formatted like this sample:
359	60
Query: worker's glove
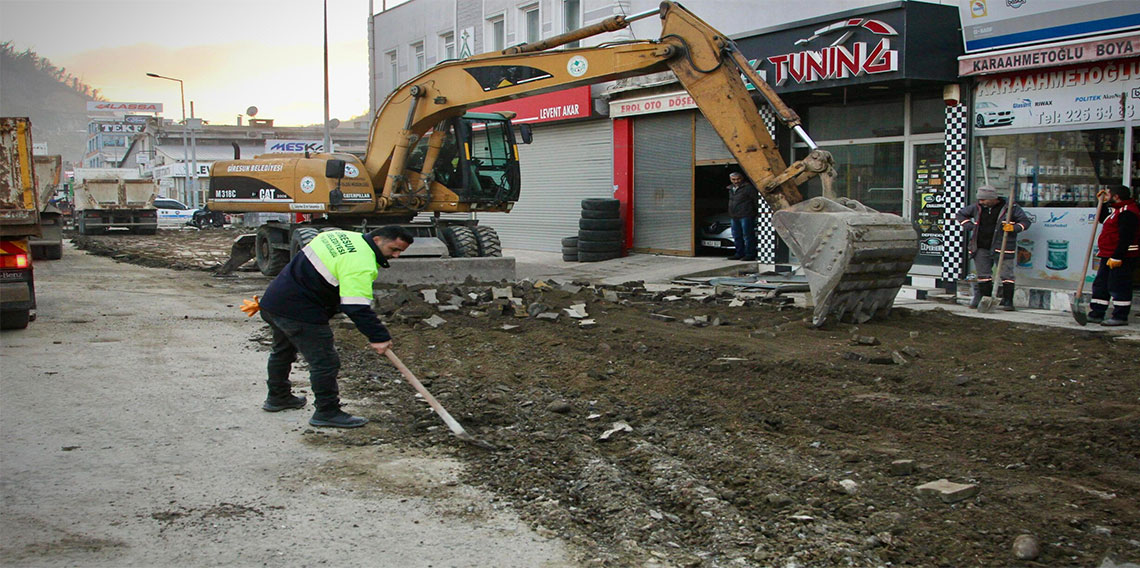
1114	263
250	307
1007	227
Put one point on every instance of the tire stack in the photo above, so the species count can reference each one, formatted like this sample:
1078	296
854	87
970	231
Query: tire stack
599	231
570	249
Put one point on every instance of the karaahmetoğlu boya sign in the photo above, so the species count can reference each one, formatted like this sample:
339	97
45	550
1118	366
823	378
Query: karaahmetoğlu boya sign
1099	92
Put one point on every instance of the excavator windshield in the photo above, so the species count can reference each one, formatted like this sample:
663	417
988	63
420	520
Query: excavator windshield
477	158
492	161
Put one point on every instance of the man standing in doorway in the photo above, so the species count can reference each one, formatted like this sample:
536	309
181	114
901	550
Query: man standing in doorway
1118	248
742	207
333	273
986	221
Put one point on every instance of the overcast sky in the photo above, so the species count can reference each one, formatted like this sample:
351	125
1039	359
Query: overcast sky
230	54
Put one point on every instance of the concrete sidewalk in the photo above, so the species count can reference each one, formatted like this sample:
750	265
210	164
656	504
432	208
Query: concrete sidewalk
661	270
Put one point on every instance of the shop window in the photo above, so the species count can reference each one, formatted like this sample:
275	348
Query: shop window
871	174
927	115
856	120
1134	176
1051	169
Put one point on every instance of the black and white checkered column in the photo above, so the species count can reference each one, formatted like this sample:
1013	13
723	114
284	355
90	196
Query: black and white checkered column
957	191
765	231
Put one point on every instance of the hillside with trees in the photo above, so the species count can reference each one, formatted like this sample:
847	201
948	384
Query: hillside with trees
54	99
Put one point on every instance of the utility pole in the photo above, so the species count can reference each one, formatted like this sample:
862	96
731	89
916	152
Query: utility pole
328	136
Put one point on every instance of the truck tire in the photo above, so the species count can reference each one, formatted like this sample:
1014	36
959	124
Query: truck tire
270	258
461	241
570	242
570	257
587	235
599	224
598	256
601	204
301	237
600	246
15	319
488	241
600	214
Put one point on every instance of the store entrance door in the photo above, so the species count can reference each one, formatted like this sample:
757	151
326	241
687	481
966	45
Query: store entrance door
928	203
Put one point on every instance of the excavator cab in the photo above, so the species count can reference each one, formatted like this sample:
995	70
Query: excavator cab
478	159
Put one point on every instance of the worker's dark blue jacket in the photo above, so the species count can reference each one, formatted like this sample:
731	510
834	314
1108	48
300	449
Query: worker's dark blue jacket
333	273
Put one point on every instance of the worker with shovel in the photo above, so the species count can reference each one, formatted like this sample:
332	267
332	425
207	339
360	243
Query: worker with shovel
333	273
1118	248
993	222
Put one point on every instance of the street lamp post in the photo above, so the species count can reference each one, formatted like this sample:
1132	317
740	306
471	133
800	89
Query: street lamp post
185	150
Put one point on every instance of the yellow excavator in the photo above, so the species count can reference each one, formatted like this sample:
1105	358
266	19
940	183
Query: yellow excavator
426	153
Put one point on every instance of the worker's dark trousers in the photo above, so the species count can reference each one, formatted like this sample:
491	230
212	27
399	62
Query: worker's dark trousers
744	237
1113	286
315	342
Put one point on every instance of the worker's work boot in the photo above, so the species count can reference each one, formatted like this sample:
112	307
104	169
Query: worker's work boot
1095	318
1007	297
337	419
1113	322
289	402
984	289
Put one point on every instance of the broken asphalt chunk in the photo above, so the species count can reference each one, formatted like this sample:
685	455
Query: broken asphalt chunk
948	491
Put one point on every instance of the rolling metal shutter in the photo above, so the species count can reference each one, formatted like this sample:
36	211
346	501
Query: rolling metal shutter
565	164
663	183
709	146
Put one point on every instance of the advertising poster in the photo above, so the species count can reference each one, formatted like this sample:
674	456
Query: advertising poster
930	201
1101	92
1055	244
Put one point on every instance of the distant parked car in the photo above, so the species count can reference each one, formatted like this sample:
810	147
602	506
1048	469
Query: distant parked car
172	213
715	232
204	218
989	114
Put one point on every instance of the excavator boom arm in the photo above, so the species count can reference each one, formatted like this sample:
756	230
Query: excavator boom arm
704	61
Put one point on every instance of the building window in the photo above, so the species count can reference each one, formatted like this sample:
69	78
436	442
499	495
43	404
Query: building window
532	28
571	18
393	71
418	57
447	46
498	32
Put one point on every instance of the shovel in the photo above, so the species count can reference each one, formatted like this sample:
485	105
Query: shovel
436	406
986	306
1080	307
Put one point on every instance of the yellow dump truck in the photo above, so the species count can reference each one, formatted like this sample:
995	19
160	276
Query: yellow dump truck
19	222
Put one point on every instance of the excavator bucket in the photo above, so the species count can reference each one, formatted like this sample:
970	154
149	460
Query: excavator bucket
855	258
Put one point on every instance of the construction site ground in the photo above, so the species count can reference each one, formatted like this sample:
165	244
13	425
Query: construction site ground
687	427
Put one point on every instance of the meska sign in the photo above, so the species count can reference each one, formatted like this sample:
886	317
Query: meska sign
837	61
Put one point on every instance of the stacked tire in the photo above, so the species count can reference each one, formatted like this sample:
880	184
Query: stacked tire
570	249
599	231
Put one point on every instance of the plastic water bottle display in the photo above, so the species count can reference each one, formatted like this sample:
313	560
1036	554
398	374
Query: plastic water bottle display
1058	257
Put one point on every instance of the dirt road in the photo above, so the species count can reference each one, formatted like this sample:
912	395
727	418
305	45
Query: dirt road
132	436
680	428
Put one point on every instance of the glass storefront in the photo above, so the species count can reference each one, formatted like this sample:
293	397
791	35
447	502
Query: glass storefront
1051	169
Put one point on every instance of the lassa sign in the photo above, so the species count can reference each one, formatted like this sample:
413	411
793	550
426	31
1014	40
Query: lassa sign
838	61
